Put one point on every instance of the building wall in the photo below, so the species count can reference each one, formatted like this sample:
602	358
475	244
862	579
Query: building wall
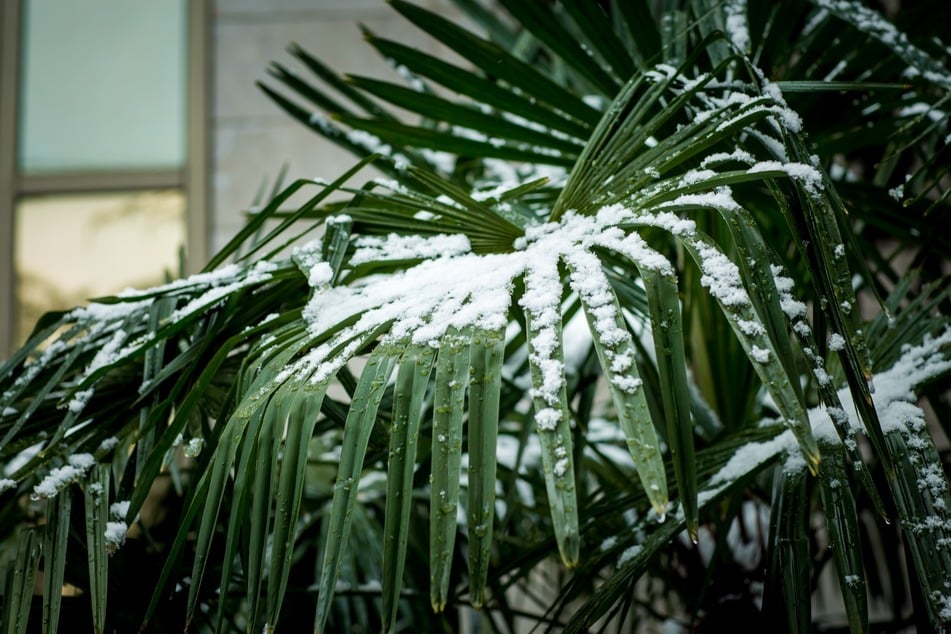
251	137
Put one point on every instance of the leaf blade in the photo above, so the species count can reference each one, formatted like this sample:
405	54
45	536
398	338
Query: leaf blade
615	352
544	333
360	420
412	381
485	382
452	369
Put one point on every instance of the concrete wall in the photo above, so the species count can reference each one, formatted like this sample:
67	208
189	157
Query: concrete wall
251	137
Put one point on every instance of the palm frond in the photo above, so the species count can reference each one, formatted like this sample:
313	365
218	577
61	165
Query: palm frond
606	289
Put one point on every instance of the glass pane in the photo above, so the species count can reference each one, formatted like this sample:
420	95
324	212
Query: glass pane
69	248
103	85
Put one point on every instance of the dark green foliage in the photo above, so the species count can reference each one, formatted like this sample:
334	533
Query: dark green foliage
699	330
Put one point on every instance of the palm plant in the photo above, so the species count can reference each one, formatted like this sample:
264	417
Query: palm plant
627	293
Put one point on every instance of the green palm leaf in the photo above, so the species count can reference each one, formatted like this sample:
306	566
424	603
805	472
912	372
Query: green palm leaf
649	298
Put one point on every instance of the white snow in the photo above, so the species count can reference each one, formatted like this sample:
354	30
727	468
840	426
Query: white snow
681	227
115	535
412	247
453	288
670	626
79	401
222	275
320	274
542	302
751	328
809	176
836	342
410	78
944	602
737	154
836	71
547	419
894	396
83	461
118	510
597	102
736	25
719	198
442	161
629	554
693	177
76	466
760	355
108	444
258	273
721	276
589	281
880	28
21	459
793	308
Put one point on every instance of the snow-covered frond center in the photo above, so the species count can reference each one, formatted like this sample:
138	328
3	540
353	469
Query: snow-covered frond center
454	289
412	247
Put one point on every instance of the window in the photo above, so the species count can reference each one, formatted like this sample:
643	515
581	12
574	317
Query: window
102	150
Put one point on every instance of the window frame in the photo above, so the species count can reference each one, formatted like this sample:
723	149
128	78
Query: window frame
192	179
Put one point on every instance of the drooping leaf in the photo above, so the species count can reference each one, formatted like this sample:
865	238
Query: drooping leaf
360	421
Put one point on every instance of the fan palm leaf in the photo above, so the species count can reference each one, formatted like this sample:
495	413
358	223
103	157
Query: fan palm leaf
553	242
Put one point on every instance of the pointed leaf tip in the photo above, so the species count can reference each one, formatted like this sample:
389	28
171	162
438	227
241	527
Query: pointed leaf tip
694	533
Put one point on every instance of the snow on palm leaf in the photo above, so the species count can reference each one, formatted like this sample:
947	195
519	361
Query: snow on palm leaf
433	274
443	291
439	291
453	293
458	291
453	290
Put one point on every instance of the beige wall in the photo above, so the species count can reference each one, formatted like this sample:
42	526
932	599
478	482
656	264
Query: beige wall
251	137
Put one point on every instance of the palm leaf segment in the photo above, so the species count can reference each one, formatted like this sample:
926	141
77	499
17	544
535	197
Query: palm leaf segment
458	303
454	296
455	292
